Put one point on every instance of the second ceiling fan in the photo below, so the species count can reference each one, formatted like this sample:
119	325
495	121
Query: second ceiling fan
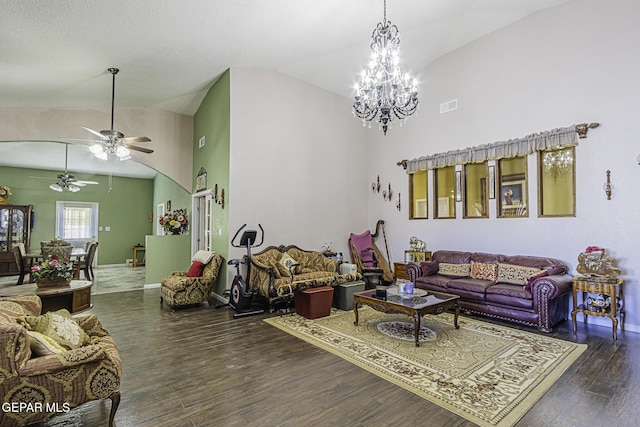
111	141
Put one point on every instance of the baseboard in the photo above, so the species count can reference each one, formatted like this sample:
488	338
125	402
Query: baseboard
220	298
110	265
151	286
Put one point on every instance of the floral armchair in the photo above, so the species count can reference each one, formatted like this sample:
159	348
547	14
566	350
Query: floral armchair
34	388
193	286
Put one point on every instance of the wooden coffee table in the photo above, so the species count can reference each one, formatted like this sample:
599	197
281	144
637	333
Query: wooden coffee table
76	297
416	305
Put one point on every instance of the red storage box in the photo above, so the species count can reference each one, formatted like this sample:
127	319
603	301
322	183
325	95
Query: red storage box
314	302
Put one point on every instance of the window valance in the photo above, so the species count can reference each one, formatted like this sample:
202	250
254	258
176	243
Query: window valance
556	138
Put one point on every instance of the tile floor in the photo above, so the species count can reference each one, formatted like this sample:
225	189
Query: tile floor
109	279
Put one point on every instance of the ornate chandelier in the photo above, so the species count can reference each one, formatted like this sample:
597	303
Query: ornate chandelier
384	93
558	162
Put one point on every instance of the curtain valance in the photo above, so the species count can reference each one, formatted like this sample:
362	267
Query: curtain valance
556	138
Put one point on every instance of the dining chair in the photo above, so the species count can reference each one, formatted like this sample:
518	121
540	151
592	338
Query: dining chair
62	252
86	263
20	254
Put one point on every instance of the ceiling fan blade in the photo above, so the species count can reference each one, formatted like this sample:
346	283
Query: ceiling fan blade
82	141
84	182
95	132
141	149
40	177
135	139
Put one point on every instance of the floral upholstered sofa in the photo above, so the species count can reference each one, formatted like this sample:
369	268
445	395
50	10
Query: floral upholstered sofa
51	363
530	290
278	271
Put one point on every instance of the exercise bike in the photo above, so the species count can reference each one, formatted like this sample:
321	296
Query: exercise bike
240	296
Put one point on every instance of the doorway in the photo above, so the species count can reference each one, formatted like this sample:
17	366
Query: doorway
201	208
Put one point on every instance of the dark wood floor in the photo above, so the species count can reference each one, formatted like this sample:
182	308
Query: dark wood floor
202	367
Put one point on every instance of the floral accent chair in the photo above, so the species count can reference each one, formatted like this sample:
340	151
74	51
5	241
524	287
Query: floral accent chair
193	286
277	272
42	374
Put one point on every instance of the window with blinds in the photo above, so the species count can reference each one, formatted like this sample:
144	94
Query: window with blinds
77	223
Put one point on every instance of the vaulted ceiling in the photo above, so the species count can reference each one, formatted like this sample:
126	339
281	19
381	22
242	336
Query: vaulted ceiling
55	54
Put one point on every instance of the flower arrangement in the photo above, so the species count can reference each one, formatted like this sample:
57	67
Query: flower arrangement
175	222
52	269
5	191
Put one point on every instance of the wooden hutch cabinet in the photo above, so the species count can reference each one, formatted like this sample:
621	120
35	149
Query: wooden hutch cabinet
15	227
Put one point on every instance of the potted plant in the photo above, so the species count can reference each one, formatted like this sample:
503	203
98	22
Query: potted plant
52	272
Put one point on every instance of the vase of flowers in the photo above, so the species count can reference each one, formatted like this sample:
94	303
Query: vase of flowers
5	192
174	222
52	272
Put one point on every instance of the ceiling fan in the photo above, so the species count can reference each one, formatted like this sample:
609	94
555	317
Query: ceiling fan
113	142
66	181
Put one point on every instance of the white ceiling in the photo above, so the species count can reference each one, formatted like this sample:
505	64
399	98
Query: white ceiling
55	54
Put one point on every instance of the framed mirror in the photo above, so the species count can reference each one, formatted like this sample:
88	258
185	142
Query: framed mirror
444	186
475	190
557	182
512	198
418	195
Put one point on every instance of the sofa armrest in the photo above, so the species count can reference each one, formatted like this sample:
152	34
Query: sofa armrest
417	269
262	278
62	361
14	342
549	287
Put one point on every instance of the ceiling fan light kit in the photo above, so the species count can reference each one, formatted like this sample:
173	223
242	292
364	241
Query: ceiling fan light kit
66	181
112	142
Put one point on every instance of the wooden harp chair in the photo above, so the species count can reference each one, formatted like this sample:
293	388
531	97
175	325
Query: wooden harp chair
369	260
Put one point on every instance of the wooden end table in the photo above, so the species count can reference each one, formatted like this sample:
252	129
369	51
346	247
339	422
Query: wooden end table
416	305
611	287
76	297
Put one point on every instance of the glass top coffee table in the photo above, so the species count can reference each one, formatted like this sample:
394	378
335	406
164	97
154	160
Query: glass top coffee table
416	305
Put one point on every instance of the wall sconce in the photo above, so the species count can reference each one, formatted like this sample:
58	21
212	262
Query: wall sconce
398	203
607	187
375	185
386	194
218	199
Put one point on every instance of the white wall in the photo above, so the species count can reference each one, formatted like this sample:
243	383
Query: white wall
298	162
572	64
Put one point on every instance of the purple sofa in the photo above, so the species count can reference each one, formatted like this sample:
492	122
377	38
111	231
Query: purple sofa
530	290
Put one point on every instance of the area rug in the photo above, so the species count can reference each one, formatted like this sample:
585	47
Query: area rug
489	374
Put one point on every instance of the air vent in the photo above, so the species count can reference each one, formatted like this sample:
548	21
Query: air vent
448	106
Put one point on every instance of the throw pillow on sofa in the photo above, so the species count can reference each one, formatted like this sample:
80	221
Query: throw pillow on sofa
60	326
42	345
482	271
454	270
515	274
285	264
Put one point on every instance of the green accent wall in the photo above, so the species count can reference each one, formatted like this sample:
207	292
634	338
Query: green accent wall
166	254
125	209
213	121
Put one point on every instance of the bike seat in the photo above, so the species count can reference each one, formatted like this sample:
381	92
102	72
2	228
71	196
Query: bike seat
234	262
